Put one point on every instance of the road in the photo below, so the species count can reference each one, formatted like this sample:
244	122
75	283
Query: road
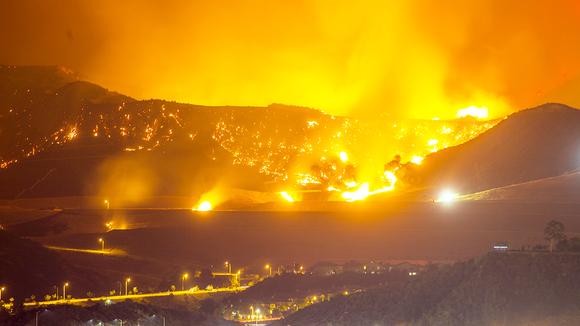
132	296
110	252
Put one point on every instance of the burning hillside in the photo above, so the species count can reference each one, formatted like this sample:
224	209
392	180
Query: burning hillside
294	149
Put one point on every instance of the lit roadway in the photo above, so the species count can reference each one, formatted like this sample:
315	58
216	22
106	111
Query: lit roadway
109	252
132	296
257	320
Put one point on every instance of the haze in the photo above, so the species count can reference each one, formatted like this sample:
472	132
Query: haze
420	59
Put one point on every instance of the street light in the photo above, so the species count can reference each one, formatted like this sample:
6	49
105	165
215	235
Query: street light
228	266
269	268
238	274
1	290
183	278
127	280
64	286
107	203
102	241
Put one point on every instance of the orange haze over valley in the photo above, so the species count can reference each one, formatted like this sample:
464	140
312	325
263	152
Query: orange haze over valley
418	59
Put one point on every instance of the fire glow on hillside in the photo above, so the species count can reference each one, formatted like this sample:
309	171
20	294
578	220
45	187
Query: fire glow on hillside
347	158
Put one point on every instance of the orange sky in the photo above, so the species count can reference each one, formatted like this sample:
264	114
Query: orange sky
394	58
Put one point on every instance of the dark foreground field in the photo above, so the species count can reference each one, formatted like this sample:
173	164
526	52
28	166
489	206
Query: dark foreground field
364	231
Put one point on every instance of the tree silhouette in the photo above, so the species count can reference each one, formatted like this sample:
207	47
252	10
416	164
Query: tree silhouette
554	232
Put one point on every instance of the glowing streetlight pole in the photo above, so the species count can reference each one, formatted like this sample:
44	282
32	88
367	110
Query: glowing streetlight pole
102	241
127	285
107	203
257	315
269	268
1	290
183	278
228	266
64	286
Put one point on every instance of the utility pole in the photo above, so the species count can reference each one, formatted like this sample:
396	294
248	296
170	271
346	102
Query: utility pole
36	320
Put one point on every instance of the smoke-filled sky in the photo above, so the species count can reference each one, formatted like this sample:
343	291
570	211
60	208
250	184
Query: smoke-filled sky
394	58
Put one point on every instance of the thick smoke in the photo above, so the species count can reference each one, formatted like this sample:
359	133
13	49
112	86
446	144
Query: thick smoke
393	58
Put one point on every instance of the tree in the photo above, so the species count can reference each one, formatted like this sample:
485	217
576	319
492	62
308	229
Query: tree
554	233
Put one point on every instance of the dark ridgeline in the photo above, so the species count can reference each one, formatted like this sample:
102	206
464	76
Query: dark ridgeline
528	145
498	289
61	130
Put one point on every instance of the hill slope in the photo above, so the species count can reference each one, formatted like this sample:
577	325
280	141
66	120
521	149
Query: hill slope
561	189
528	145
498	289
58	134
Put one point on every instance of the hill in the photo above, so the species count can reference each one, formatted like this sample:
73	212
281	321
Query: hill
127	313
288	286
561	189
63	137
497	289
28	268
528	145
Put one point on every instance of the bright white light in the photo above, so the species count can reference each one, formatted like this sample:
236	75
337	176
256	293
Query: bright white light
287	196
343	156
473	111
446	196
204	206
417	160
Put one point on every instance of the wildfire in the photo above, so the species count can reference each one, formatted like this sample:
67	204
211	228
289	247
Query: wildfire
72	134
204	206
361	193
364	191
473	111
417	160
287	196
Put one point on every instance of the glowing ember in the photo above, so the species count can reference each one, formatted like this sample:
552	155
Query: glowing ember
350	184
72	134
432	142
364	190
417	160
287	196
473	111
361	193
312	123
447	196
204	206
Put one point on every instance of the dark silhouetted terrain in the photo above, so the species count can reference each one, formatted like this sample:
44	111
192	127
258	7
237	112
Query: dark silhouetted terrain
528	145
497	289
561	189
130	313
